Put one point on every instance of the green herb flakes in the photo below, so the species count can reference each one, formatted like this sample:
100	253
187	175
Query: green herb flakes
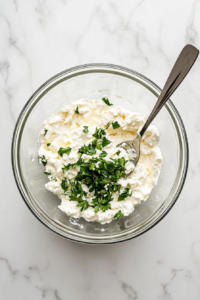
118	215
107	125
64	150
42	159
77	111
53	178
89	150
99	175
124	195
103	154
85	130
64	185
115	125
105	142
68	166
47	173
107	101
99	132
83	204
96	209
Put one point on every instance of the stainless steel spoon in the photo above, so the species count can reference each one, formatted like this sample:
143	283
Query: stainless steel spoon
182	66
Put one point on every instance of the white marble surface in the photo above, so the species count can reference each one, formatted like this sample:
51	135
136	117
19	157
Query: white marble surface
41	38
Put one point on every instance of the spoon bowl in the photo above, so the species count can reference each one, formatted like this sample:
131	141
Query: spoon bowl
133	149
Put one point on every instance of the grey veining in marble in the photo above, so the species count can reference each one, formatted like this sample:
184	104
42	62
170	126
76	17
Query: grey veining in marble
40	38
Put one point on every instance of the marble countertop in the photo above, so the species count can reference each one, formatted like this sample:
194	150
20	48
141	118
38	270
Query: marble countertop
41	38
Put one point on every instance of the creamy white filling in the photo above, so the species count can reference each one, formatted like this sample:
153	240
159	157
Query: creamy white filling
65	128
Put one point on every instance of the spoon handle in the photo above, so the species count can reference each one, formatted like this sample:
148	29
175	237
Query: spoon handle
181	67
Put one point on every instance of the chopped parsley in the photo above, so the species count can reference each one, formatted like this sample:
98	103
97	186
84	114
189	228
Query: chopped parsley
89	150
83	204
99	175
42	159
67	167
64	150
107	101
122	161
105	207
105	142
103	154
77	111
118	152
99	132
118	215
115	125
47	173
85	130
45	131
48	144
96	209
107	125
97	144
124	195
64	185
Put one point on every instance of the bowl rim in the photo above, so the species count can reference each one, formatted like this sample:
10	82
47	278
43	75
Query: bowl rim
169	104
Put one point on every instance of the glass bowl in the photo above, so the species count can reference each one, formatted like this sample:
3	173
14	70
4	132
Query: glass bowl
124	87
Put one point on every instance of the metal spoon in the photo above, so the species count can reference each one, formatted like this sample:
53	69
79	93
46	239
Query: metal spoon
182	66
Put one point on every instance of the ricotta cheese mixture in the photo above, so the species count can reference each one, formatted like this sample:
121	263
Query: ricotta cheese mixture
86	169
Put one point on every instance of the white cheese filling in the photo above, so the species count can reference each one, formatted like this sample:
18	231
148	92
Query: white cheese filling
65	129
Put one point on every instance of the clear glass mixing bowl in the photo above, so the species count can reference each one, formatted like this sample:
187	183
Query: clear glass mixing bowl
124	87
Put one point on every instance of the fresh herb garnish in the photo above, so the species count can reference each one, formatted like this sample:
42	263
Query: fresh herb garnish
64	150
47	173
99	132
105	207
89	150
107	125
83	204
64	185
42	159
96	209
53	178
48	144
122	161
118	152
85	130
107	101
124	195
98	145
103	154
118	215
115	125
105	142
77	111
67	167
45	131
77	194
99	175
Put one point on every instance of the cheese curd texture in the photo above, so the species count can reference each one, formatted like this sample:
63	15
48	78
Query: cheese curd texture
65	129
